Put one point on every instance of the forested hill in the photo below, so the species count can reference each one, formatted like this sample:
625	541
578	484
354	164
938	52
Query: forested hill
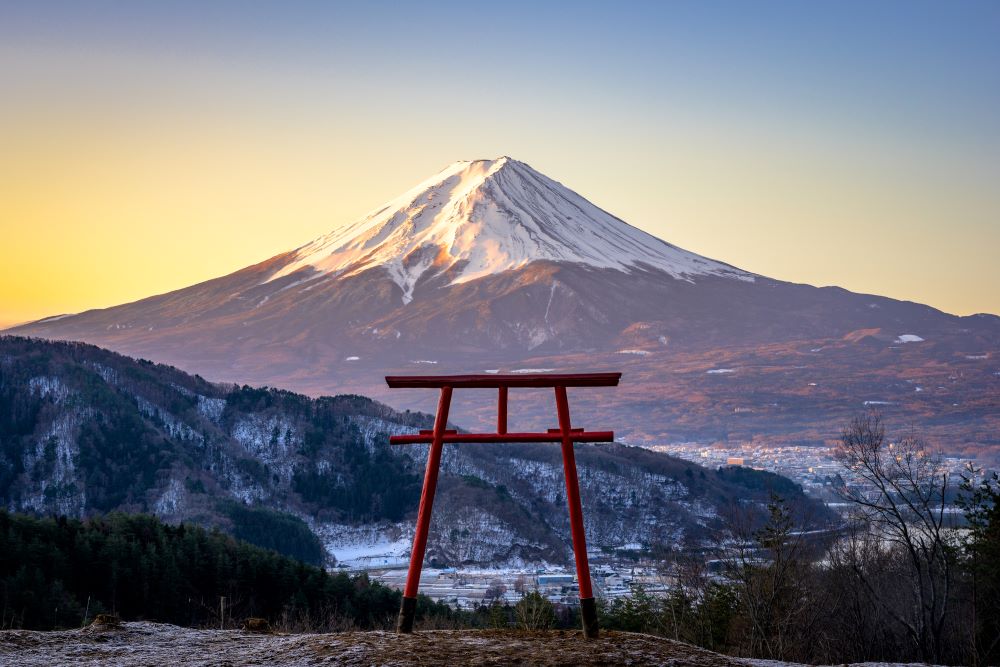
86	431
60	572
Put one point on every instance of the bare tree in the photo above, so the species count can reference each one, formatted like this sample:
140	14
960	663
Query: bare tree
769	569
534	612
495	591
857	627
899	489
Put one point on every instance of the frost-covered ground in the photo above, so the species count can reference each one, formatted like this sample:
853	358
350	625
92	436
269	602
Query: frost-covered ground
156	644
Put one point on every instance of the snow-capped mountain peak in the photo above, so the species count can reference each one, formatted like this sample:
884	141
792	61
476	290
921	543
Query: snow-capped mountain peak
483	217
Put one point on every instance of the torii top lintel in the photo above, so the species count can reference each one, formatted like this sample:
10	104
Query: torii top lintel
503	382
496	380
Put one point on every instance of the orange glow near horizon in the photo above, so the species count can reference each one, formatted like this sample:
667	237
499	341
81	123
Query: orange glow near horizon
134	167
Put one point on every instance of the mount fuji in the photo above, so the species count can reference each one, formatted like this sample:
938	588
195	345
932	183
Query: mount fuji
490	265
476	219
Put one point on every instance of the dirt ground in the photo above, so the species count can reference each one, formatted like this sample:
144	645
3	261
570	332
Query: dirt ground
159	645
156	644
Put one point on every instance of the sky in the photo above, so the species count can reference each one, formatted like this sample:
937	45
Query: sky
148	146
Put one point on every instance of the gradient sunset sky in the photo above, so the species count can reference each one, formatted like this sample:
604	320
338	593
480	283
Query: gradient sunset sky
148	146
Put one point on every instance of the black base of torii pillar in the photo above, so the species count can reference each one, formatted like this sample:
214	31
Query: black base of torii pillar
566	435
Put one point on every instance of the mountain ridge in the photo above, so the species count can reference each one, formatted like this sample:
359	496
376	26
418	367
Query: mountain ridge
86	431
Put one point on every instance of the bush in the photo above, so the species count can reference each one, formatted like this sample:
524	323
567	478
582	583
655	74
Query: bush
534	612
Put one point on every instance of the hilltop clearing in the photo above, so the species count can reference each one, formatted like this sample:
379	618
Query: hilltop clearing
152	643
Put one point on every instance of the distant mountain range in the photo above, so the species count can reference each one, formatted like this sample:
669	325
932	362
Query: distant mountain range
490	265
84	430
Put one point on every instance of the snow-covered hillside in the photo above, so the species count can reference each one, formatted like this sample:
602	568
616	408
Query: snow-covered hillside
482	217
101	432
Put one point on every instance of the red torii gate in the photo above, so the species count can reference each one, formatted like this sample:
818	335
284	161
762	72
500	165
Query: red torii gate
565	434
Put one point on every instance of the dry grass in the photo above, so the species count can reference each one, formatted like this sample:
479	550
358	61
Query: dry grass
150	643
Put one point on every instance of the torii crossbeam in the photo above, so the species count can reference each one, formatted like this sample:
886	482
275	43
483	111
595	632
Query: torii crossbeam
565	434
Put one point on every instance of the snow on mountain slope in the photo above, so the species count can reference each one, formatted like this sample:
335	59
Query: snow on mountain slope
483	217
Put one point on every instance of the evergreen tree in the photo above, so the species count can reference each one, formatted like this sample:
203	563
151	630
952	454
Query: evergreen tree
139	568
981	505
